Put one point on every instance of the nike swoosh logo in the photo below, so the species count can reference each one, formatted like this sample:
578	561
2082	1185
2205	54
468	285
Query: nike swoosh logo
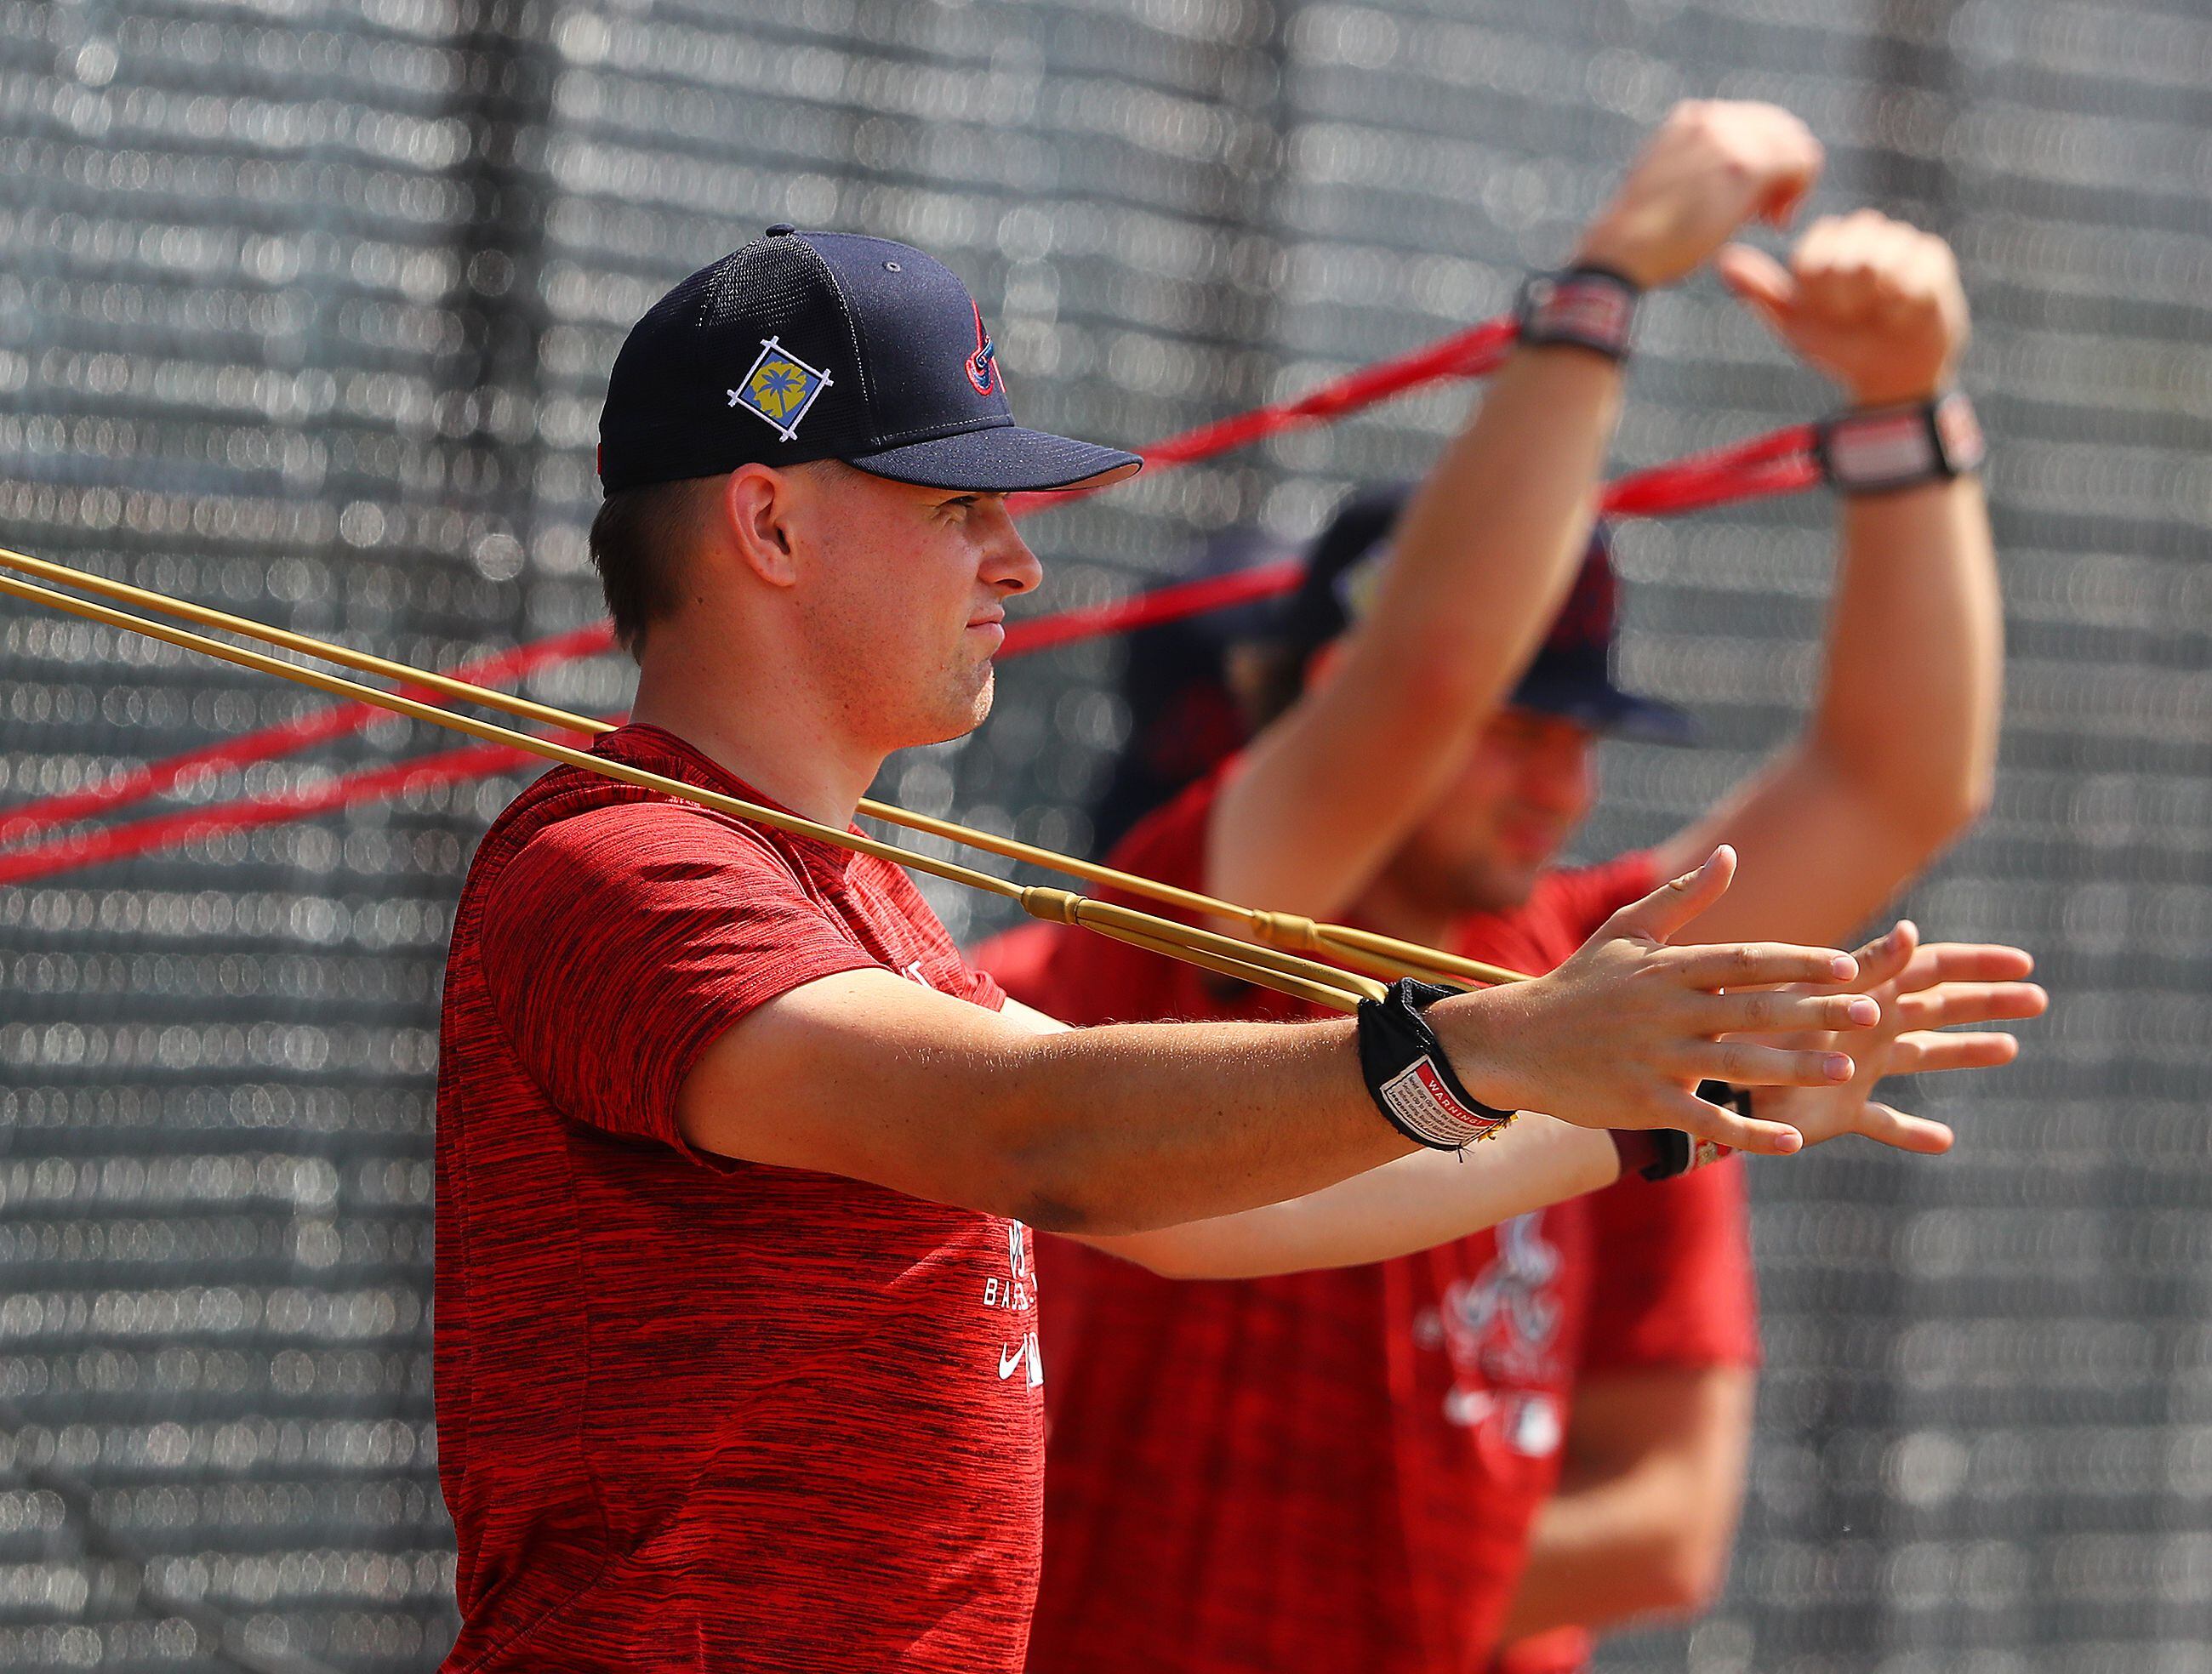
1010	1359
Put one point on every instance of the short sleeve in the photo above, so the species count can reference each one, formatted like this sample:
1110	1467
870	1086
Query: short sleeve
619	944
1671	1275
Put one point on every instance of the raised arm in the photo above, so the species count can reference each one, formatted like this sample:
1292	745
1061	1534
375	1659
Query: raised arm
1137	1126
1484	551
1429	1198
1898	753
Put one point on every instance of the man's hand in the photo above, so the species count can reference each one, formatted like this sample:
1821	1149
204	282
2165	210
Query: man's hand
1871	302
1621	1034
1712	165
1921	991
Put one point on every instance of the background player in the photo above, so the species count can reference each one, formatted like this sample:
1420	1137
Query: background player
1341	1469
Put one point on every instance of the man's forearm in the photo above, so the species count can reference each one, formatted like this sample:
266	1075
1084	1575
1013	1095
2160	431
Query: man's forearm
1898	756
1909	706
1413	1203
1479	561
1642	1523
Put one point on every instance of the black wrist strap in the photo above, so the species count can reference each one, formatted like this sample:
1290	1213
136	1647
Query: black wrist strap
1663	1153
1409	1077
1874	449
1591	307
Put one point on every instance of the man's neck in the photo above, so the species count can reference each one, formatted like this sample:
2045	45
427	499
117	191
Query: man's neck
763	730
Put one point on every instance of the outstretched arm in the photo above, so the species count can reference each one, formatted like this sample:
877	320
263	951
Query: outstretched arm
1485	549
1429	1199
1898	757
1135	1126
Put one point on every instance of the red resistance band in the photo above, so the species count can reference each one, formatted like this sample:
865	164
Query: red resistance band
182	772
1781	463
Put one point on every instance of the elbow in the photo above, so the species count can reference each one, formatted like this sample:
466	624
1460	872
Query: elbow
1940	815
1685	1578
1443	682
1039	1184
1057	1184
1924	807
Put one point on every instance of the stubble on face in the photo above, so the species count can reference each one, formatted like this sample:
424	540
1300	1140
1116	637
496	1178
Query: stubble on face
888	622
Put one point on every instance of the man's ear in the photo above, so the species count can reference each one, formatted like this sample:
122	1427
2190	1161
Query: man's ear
756	505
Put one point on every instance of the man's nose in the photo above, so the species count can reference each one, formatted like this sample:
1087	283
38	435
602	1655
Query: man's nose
1009	564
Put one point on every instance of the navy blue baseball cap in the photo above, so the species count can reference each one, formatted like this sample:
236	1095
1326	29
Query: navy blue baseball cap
808	346
1571	676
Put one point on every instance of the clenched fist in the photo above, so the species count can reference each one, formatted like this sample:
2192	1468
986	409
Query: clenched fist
1713	165
1874	304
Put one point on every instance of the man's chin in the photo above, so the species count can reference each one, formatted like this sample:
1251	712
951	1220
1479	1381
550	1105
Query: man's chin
962	714
1498	887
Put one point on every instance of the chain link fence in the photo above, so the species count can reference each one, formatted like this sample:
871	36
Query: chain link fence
307	312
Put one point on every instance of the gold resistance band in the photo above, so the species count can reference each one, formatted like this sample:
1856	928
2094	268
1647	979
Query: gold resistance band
1277	936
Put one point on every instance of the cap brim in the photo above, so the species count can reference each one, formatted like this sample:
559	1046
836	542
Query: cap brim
1001	459
1606	709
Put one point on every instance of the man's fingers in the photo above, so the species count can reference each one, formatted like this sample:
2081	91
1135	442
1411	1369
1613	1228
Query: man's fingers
1724	1127
1762	964
1796	159
1924	1052
1971	961
1777	1013
1888	955
1666	909
1749	1065
1971	1002
1893	1126
1760	283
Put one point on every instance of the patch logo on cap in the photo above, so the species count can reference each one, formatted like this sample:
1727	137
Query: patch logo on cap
779	388
983	364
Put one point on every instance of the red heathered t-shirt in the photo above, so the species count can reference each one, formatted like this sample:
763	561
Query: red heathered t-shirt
696	1413
1330	1469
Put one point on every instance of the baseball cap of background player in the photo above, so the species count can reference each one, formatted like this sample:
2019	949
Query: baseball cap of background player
806	346
1571	676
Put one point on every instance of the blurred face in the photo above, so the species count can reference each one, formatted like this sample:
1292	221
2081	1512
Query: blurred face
902	591
1526	785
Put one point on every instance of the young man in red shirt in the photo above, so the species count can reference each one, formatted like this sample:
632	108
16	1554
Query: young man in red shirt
736	1317
1345	1469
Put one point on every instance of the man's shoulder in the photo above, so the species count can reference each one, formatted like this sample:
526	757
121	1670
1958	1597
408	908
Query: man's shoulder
575	836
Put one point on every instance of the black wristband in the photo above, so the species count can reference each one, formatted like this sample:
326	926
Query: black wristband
1874	449
1409	1077
1590	308
1664	1153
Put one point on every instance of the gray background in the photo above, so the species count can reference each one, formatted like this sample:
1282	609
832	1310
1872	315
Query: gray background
305	310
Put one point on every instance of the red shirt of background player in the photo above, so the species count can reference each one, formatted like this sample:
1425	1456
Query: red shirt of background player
1338	1470
695	1413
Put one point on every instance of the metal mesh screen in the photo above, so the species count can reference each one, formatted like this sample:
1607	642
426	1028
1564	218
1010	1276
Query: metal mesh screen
307	314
